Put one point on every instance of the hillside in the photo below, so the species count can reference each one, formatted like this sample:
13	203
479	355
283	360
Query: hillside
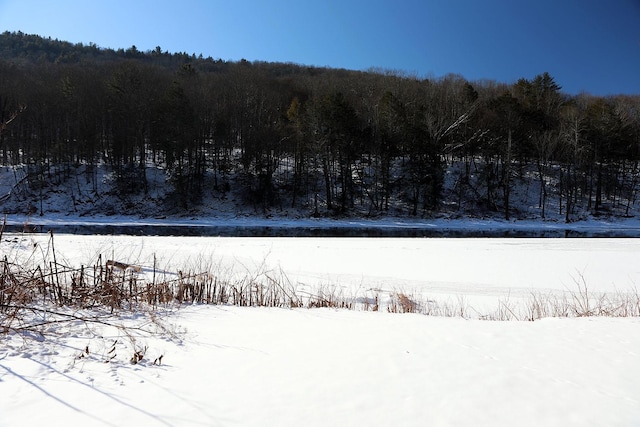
86	131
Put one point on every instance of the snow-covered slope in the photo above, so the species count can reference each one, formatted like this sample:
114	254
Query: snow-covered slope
80	194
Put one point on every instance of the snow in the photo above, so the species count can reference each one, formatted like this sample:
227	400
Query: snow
256	367
230	366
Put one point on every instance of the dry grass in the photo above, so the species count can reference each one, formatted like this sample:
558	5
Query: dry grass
45	286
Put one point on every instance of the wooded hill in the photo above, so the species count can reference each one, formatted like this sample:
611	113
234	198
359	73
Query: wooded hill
322	141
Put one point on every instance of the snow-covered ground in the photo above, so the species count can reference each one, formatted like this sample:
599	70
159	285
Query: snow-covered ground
228	366
266	367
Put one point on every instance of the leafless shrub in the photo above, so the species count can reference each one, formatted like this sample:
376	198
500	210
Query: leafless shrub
370	301
329	296
138	355
402	303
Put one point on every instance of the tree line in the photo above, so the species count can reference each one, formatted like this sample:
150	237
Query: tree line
331	141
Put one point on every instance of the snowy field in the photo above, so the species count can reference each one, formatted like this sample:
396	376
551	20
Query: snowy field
238	366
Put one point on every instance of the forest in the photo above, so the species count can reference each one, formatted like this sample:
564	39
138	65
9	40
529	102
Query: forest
327	142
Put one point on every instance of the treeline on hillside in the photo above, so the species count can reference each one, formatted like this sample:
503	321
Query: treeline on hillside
332	141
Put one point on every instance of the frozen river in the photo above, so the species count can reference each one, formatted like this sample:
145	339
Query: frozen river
486	268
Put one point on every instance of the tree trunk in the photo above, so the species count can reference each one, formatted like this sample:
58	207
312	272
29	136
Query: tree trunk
507	184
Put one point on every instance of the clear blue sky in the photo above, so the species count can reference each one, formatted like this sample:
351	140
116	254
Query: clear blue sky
586	45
